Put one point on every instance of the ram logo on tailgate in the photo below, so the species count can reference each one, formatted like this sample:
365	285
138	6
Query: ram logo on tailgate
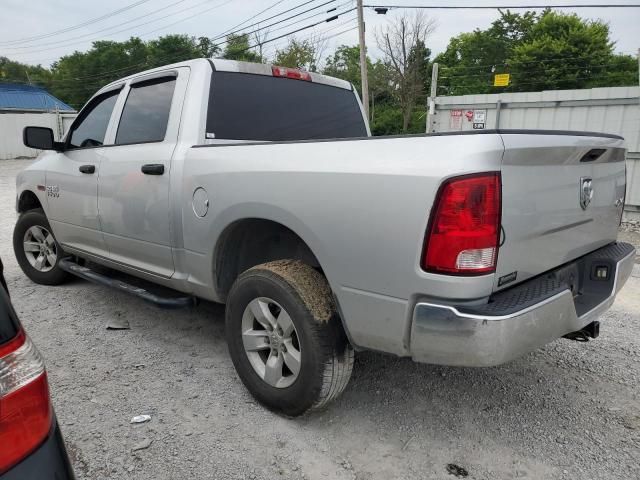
586	191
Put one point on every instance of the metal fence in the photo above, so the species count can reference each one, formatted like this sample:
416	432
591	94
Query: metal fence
13	122
610	110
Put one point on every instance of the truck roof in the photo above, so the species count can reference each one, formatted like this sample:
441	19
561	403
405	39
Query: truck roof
224	65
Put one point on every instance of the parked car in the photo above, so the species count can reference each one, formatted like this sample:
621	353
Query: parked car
260	187
31	446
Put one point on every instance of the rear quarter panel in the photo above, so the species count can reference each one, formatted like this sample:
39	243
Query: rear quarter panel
362	206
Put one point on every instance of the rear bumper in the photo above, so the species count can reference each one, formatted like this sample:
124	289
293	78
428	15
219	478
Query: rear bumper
522	319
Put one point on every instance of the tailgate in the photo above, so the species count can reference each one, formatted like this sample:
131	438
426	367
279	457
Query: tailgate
548	215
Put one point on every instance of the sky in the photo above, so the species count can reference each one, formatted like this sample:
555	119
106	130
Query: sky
68	25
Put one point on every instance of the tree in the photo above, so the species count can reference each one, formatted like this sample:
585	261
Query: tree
175	48
297	54
304	54
468	63
563	51
345	64
207	48
16	72
77	76
550	50
403	44
238	48
259	39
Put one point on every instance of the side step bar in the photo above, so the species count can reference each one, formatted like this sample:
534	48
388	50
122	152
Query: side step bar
68	265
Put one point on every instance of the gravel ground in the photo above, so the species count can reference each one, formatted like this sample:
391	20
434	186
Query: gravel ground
569	410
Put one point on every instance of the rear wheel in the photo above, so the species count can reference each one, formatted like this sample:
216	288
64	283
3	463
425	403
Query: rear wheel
36	249
285	338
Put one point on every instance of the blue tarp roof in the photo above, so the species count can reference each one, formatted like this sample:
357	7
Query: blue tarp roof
29	97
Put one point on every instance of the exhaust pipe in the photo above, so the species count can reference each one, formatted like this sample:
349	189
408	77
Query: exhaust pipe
589	331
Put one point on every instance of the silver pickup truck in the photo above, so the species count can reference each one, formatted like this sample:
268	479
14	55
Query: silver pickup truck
260	187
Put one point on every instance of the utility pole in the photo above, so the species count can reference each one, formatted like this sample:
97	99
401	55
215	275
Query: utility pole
432	98
363	61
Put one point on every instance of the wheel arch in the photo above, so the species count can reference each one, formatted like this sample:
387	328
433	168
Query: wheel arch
237	250
248	242
28	200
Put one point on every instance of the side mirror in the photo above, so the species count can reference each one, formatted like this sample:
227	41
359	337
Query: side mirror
40	138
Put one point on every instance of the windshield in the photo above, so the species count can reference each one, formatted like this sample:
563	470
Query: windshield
258	107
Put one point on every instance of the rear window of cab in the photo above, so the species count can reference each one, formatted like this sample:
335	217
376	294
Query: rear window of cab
259	107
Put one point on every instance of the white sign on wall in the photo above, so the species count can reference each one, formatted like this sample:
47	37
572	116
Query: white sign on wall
455	120
479	119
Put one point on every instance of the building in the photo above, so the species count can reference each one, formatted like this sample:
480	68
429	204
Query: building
23	105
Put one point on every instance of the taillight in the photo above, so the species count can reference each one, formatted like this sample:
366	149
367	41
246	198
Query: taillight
25	408
464	229
294	73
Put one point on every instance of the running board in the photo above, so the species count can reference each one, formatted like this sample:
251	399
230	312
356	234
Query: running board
68	265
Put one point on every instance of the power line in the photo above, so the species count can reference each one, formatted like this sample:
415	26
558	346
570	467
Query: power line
304	19
563	69
130	67
138	25
286	19
322	34
115	26
519	84
188	18
218	37
323	38
257	15
289	33
75	27
503	7
553	58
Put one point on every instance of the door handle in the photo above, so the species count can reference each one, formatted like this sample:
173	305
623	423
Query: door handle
87	168
153	169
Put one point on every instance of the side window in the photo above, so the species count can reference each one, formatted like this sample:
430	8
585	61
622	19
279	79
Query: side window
146	112
92	124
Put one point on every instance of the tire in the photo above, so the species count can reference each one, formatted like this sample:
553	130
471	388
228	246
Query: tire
291	290
48	272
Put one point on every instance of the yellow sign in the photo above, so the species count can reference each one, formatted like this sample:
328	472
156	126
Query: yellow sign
501	80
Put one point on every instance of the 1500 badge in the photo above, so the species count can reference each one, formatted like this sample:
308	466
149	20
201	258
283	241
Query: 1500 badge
53	191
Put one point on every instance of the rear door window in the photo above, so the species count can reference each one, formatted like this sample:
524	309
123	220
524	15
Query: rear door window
258	107
146	112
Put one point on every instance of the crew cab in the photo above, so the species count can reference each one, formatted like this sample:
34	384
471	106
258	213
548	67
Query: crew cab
260	187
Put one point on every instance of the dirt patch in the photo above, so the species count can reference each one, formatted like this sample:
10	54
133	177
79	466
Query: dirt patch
311	285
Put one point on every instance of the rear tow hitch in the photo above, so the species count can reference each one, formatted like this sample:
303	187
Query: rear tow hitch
589	331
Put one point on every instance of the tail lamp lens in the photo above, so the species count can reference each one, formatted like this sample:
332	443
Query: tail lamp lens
464	231
25	408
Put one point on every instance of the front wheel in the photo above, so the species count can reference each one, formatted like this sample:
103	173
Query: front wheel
36	249
285	338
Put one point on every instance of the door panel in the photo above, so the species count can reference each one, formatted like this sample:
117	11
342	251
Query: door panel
73	200
134	206
73	195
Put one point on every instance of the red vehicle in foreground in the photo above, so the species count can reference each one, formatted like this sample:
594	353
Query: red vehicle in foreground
31	446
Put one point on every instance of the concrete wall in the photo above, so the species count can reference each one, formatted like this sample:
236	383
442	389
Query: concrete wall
11	126
610	110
